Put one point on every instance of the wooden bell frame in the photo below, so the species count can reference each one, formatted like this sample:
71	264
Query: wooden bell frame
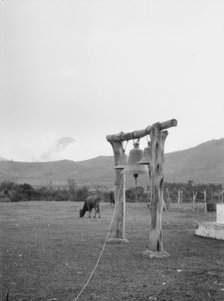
158	134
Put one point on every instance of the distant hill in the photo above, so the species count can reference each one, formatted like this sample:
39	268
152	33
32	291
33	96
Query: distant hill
97	170
3	159
202	164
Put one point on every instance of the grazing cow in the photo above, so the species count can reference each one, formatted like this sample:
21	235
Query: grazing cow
91	202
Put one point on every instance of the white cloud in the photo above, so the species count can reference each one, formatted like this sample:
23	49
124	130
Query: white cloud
63	148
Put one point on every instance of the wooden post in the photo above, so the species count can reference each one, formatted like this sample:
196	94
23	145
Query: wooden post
168	198
149	197
150	180
205	200
194	199
118	226
155	243
179	197
222	192
124	208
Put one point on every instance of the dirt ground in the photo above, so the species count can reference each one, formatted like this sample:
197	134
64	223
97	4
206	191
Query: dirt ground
48	253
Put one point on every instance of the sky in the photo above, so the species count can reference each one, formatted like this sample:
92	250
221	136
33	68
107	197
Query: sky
78	70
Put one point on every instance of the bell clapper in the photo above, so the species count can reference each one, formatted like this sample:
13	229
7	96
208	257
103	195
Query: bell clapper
136	192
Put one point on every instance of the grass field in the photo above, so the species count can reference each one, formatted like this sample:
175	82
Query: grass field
48	253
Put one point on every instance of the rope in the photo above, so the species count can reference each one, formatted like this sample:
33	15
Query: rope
125	146
98	260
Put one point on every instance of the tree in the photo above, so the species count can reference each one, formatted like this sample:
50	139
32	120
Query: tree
27	191
81	194
72	186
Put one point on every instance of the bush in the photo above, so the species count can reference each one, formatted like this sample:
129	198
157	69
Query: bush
131	194
81	194
211	207
61	195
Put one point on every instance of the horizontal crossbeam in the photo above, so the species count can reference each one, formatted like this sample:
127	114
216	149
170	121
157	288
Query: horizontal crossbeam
141	133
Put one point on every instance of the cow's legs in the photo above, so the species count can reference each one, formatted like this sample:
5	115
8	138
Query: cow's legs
97	210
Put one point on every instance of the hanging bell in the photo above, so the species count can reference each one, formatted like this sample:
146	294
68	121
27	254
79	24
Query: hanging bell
134	157
122	161
146	158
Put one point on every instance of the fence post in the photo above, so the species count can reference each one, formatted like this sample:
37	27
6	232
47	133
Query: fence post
194	199
222	192
205	201
179	198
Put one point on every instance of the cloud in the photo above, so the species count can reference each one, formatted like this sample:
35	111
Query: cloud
64	141
34	146
63	148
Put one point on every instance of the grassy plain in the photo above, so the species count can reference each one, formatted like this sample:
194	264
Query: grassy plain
48	253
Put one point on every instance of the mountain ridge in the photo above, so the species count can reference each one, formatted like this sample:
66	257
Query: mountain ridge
203	163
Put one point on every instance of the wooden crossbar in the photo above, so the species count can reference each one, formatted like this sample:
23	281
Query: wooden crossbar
141	133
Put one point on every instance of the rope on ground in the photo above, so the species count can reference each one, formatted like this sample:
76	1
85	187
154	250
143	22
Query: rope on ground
98	260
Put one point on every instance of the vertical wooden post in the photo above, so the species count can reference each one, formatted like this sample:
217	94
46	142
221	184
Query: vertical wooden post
118	226
155	243
222	192
150	179
168	197
194	199
179	197
205	200
124	206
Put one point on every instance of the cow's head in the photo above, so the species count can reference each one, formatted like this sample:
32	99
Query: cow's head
81	213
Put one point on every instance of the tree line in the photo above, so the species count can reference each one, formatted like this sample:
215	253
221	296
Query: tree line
173	192
186	191
14	192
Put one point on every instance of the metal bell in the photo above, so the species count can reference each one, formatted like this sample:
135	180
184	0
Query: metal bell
122	161
146	158
135	155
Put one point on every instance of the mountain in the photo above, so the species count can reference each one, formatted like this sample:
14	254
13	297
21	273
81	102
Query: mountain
97	170
3	159
202	164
